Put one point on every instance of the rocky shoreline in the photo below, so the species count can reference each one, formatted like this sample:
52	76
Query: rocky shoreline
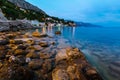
38	56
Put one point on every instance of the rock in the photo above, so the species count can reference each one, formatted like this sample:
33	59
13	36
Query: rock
2	17
13	46
36	33
61	55
44	44
4	42
30	42
2	55
15	72
58	32
35	64
11	41
11	36
75	73
75	53
27	60
18	42
43	35
20	52
47	66
20	59
91	71
60	74
37	47
32	55
23	47
44	56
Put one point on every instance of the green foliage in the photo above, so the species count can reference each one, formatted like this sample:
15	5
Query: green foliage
13	12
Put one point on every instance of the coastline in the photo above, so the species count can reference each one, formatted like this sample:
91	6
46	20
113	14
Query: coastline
38	56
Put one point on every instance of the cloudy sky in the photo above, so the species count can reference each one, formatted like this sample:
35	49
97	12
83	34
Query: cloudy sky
103	12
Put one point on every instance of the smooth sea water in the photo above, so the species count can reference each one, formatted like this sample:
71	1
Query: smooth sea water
100	45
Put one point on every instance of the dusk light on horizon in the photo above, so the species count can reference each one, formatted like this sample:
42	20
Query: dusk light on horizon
104	12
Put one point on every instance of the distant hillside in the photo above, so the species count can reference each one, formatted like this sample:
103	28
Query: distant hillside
20	9
11	11
83	24
25	5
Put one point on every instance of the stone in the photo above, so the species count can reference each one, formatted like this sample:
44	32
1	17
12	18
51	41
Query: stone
47	66
23	47
2	55
16	72
60	74
11	36
32	55
20	59
18	42
36	33
44	56
61	55
58	32
35	64
2	17
20	52
44	44
37	47
4	42
31	42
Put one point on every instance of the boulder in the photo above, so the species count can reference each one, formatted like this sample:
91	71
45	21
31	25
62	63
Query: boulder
35	64
44	44
36	33
60	74
61	55
4	42
32	55
16	72
20	52
58	32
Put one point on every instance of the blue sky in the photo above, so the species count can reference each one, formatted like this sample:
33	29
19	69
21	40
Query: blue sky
103	12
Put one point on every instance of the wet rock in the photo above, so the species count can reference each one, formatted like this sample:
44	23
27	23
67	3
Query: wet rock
43	35
91	74
15	72
32	55
30	42
23	47
20	52
4	42
37	47
2	55
60	74
35	64
44	44
36	33
61	55
13	46
44	56
75	73
47	65
11	41
18	42
20	59
58	32
11	36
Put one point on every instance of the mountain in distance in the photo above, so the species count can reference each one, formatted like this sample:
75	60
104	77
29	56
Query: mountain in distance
83	24
25	5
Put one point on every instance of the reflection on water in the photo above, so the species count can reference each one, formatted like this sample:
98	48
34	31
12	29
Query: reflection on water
100	46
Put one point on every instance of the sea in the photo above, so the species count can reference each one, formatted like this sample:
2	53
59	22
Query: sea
100	45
